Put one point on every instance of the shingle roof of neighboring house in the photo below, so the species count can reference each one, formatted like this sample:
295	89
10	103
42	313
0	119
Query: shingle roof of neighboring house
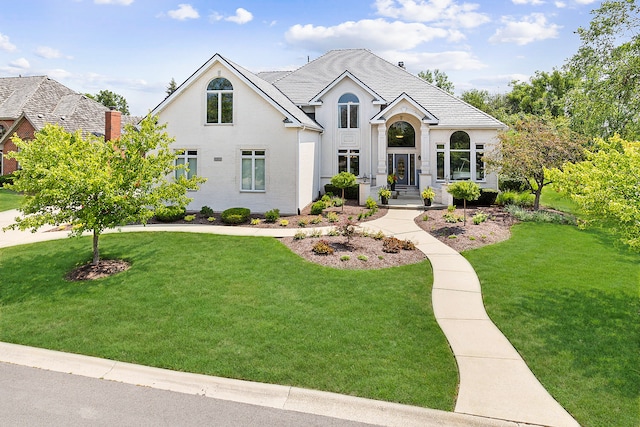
42	100
386	79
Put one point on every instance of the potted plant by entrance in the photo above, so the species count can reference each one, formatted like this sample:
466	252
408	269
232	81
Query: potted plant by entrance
391	180
428	195
384	193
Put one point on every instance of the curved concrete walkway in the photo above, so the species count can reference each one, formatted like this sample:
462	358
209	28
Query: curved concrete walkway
495	382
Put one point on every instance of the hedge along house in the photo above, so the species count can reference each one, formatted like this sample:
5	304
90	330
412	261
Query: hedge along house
274	139
27	104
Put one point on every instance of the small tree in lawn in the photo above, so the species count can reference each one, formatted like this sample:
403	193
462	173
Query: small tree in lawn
465	190
531	147
343	180
93	184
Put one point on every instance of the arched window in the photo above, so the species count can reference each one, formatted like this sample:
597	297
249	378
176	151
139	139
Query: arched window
220	101
348	105
460	156
401	134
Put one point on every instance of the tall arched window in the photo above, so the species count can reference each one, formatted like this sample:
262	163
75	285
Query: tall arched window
220	101
401	134
460	156
348	105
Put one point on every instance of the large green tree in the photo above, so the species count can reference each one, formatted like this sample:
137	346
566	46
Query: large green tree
438	78
93	184
530	147
111	100
607	99
606	187
544	93
494	104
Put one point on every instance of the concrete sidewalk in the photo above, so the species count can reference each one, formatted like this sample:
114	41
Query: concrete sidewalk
495	383
494	380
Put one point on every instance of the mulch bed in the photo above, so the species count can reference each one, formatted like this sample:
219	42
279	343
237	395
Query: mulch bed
104	268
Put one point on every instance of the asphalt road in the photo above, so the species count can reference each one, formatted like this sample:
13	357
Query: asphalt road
36	397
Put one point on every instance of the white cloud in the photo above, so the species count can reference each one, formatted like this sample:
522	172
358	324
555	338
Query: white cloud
122	2
5	44
21	63
377	34
531	28
184	12
440	12
58	74
242	16
560	4
50	53
445	61
585	1
531	2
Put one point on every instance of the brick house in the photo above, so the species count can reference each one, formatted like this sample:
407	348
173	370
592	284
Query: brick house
28	103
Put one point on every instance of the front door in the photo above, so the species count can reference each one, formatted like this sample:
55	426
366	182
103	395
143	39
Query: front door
401	167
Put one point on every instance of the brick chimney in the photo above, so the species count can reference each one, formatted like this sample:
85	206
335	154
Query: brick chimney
112	124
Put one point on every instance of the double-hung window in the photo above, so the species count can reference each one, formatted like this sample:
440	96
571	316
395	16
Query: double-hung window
188	158
220	101
348	106
253	170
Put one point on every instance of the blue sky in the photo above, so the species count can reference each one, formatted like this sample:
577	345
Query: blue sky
135	47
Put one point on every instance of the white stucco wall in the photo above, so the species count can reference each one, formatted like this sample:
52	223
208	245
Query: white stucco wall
257	125
335	139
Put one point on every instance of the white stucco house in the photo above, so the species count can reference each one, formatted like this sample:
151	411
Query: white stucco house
273	139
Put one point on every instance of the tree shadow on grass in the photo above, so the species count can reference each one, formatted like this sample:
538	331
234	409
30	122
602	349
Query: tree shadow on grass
40	270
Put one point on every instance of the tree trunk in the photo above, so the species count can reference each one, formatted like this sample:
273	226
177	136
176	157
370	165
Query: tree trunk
96	252
536	201
342	200
464	212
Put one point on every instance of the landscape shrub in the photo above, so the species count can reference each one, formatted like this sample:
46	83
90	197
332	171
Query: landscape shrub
170	213
487	198
526	215
318	207
206	211
6	179
284	222
337	202
332	217
392	245
524	199
317	220
408	245
371	204
235	215
299	235
479	218
272	216
322	247
452	218
189	218
516	185
350	193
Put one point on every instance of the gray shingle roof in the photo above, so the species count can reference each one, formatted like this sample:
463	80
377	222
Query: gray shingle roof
43	100
274	93
386	79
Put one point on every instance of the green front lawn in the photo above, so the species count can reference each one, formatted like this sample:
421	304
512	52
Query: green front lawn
568	301
9	200
235	307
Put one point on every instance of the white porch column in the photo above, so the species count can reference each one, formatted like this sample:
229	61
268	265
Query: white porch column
425	162
381	173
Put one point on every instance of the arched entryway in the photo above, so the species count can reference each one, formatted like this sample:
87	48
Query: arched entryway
401	152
